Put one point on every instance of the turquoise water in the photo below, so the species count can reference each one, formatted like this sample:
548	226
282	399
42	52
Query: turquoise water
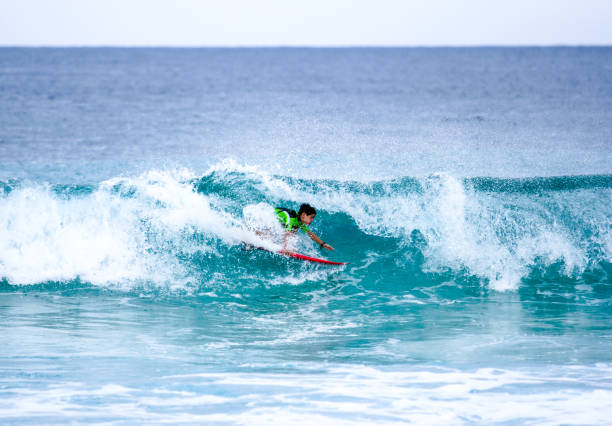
469	190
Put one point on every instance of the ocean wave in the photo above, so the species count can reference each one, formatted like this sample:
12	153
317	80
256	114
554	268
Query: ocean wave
184	231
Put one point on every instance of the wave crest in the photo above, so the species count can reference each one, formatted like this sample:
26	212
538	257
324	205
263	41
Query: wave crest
180	230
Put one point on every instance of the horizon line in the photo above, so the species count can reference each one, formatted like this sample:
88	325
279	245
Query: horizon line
297	46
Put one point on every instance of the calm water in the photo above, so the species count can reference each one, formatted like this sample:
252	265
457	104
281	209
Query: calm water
470	190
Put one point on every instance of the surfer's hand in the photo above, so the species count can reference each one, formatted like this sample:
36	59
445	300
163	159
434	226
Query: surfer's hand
327	246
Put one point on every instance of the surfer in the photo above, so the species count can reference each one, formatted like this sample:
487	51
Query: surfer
293	221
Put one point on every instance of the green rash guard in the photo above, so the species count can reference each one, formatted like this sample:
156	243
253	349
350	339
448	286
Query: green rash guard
289	219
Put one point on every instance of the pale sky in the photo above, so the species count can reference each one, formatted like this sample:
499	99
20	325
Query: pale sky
304	23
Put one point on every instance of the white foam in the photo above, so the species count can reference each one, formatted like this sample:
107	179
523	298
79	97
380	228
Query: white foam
43	237
261	219
354	394
117	235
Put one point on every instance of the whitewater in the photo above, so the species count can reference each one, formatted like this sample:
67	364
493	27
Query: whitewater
470	190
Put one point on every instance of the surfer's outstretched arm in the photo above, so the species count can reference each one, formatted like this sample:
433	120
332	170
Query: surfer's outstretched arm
319	241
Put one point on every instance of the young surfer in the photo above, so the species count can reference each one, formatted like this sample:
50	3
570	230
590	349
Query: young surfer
293	221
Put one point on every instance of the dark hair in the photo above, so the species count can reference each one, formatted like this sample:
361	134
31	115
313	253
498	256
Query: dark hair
306	208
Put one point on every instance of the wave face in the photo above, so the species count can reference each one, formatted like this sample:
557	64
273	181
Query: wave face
177	231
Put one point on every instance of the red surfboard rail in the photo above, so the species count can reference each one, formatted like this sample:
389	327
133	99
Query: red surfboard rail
311	259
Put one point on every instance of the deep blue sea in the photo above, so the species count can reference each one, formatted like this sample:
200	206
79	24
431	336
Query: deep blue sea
470	190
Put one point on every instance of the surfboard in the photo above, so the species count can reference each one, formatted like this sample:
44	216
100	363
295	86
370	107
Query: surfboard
310	259
294	255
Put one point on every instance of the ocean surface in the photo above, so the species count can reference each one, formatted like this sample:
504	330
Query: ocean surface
470	190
